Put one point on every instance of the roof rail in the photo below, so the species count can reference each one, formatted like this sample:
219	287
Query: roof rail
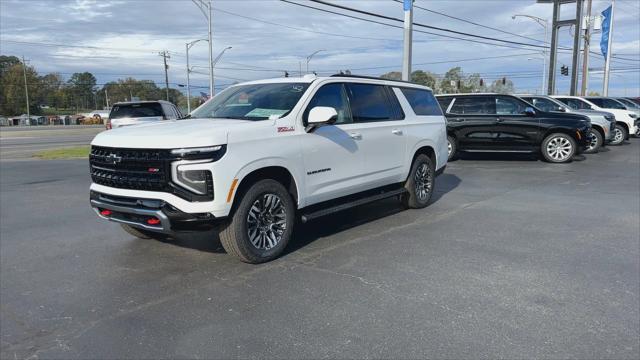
370	77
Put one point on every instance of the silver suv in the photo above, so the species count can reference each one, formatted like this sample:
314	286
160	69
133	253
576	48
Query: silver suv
141	112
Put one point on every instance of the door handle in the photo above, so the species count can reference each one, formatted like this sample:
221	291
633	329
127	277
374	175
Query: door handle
498	120
396	132
457	120
355	136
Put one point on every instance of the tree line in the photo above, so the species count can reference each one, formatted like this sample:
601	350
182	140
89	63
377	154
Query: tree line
454	81
79	93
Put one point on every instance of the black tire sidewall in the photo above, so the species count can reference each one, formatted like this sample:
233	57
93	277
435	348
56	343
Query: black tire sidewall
546	141
600	141
410	199
454	148
248	252
624	135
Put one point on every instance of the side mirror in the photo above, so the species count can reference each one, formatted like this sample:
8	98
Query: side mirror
529	111
562	109
321	115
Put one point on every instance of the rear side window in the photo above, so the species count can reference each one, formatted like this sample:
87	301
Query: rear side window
422	101
370	103
136	110
575	103
474	105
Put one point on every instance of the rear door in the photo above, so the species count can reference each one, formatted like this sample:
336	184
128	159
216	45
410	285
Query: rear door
472	121
380	120
514	129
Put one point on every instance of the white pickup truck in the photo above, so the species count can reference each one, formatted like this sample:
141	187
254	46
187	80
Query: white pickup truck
263	154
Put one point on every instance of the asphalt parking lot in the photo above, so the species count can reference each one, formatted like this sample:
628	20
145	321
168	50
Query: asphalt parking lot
515	258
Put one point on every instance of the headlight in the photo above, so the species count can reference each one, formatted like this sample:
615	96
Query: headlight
193	180
208	152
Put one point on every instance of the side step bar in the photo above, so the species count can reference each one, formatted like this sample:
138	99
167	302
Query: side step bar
344	206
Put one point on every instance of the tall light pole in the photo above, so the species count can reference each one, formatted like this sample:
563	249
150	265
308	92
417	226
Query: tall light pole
205	8
309	58
215	61
585	55
545	24
26	89
408	41
189	45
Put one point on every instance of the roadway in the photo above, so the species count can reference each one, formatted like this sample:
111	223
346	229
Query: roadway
515	258
23	142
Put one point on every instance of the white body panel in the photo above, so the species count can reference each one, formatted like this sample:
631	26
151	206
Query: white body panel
360	156
621	115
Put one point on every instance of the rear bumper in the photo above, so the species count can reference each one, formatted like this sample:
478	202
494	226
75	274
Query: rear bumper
149	214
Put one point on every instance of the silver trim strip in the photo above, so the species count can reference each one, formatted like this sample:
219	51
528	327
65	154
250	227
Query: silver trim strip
165	224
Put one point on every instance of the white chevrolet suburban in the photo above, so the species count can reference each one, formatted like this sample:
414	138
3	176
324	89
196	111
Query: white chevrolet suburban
262	154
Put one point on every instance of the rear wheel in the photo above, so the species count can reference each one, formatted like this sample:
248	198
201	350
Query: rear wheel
261	225
558	148
619	135
420	183
451	148
142	233
594	142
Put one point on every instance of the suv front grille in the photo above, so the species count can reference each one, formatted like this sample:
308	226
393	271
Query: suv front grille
139	169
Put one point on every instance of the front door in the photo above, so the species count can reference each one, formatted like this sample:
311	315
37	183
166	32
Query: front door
333	156
515	130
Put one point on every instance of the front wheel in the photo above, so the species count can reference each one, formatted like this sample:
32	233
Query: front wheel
619	135
452	148
594	141
261	225
558	148
420	183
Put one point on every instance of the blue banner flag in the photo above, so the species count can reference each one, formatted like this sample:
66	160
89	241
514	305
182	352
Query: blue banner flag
606	26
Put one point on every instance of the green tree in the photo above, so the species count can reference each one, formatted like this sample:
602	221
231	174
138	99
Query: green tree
51	90
12	90
449	84
502	88
474	83
424	78
81	87
393	75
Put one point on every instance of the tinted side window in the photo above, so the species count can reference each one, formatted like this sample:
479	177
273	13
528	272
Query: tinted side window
474	105
369	103
422	101
598	102
575	103
331	95
509	106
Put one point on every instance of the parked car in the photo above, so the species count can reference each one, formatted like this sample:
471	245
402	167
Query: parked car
635	100
612	103
626	121
603	124
139	112
506	123
260	154
630	104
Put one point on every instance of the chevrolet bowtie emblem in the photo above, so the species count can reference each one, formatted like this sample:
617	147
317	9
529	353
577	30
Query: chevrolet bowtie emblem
114	159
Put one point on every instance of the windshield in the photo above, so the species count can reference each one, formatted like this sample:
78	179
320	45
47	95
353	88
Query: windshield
253	102
136	110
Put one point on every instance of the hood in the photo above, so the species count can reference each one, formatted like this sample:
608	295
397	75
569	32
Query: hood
170	134
592	112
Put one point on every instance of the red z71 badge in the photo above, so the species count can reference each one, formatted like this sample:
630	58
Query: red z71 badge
285	128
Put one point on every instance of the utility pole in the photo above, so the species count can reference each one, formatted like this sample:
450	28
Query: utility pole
26	89
607	63
106	96
165	55
555	27
408	30
576	49
585	55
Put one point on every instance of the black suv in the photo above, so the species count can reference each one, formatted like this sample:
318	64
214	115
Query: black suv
505	123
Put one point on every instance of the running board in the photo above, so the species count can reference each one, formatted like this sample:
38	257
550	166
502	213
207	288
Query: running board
344	206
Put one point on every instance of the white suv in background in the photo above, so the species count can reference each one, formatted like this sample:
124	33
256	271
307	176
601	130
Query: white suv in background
625	119
261	154
140	112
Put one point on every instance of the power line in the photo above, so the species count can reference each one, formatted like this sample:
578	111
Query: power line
472	22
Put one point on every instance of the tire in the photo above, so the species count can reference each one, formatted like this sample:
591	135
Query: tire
452	148
595	141
261	225
558	148
420	183
143	234
619	135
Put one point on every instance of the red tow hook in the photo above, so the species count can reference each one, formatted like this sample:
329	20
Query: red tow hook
153	221
105	212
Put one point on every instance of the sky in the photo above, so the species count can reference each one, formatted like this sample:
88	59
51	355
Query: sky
115	38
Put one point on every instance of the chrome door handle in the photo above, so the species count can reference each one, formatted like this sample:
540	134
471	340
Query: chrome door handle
396	132
498	120
355	136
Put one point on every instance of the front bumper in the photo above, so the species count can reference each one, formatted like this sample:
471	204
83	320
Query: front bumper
149	214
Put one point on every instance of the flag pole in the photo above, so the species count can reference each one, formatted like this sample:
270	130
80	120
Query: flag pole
607	63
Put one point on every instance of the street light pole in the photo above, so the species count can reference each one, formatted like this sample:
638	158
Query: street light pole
26	89
545	24
189	45
408	41
309	58
215	61
205	8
